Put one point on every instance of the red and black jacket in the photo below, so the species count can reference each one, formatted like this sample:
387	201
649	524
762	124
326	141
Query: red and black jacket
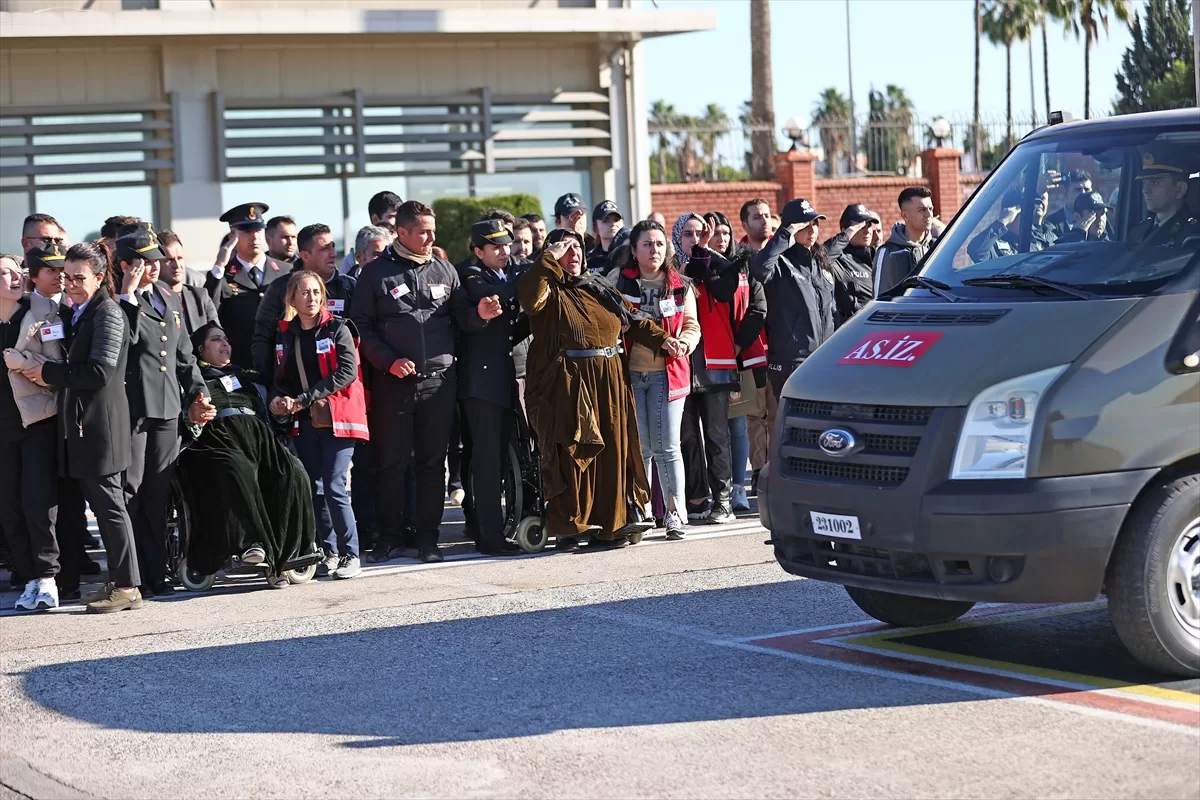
340	381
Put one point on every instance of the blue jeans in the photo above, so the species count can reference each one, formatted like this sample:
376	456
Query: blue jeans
739	448
658	424
326	458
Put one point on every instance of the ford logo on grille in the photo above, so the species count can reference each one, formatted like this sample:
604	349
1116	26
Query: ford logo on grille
836	442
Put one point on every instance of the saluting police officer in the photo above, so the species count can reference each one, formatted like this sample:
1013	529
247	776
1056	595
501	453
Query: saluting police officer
161	379
316	253
1164	178
487	383
239	285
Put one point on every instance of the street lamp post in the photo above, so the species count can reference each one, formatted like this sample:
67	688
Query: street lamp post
850	77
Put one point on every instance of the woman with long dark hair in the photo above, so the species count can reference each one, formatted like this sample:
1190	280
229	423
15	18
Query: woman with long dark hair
661	381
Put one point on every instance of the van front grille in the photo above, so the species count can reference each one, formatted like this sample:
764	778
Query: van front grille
844	471
905	415
872	442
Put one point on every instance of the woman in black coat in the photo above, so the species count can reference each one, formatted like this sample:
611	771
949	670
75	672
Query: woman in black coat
93	414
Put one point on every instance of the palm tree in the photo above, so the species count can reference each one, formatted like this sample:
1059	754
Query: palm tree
664	117
763	138
832	115
1087	17
1004	22
714	123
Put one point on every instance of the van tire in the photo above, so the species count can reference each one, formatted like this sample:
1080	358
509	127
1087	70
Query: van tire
907	611
1138	584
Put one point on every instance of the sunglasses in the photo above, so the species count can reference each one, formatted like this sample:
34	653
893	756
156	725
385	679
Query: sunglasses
50	239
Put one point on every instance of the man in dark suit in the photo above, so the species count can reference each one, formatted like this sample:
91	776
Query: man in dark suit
198	308
237	292
161	380
487	387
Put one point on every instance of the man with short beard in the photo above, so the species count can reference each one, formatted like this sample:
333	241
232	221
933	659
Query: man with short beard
281	239
198	308
756	216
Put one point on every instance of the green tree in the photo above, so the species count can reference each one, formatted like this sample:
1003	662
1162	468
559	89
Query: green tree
1085	18
714	124
1156	70
1005	22
761	92
665	119
832	115
888	137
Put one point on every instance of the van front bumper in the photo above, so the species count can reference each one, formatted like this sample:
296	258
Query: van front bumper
1044	540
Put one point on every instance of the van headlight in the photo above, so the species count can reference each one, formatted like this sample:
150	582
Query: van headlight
994	441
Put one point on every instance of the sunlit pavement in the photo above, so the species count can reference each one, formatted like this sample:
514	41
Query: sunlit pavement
682	669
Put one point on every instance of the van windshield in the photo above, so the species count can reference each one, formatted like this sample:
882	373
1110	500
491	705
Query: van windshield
1107	213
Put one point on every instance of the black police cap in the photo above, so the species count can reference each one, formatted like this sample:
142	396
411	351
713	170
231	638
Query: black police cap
1089	201
247	217
856	213
53	256
604	209
798	210
490	231
142	244
567	205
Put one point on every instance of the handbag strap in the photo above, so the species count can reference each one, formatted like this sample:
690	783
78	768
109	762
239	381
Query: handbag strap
300	367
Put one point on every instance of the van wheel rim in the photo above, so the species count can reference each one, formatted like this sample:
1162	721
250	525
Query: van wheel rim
1183	578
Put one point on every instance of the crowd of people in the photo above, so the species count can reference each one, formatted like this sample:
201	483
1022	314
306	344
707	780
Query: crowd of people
259	389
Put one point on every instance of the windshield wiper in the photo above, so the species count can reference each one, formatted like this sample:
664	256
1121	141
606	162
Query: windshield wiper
942	290
1015	281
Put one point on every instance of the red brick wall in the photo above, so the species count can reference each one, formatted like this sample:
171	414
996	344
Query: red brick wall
673	200
877	194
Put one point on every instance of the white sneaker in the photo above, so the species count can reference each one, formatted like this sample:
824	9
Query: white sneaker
348	568
327	565
28	599
740	502
47	595
457	496
674	526
254	556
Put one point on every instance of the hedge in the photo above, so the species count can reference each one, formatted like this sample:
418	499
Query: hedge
456	215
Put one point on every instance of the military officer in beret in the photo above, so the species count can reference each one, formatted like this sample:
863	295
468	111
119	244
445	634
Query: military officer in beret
239	285
1164	178
161	380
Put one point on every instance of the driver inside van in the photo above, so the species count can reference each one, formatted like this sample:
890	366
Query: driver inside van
1165	186
1003	237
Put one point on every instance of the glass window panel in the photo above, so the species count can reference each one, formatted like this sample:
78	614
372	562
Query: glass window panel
307	200
82	211
14	207
81	179
546	186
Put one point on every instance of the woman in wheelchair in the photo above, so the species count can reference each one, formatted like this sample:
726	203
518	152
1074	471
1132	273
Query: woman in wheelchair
246	494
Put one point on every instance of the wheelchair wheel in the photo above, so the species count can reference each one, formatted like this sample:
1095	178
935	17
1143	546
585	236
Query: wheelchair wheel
512	493
531	535
177	527
191	580
636	538
295	576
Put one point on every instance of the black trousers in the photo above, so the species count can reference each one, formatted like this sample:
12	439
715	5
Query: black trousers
147	487
70	529
29	497
704	440
364	492
489	430
456	452
411	420
106	496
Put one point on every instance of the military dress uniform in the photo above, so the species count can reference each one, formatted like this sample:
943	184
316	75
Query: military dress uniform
239	290
1181	226
162	380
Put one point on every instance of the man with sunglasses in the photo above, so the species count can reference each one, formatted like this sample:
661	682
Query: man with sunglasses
40	229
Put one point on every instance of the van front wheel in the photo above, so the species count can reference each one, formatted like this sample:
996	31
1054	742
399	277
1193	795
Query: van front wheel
1153	579
906	611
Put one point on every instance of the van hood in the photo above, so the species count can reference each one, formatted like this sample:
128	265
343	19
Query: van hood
938	354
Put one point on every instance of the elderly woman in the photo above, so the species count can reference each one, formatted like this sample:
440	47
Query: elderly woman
245	492
579	399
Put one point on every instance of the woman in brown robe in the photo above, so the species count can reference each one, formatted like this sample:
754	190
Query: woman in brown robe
579	401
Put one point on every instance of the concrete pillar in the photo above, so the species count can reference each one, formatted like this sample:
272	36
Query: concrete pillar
639	134
940	168
191	205
796	173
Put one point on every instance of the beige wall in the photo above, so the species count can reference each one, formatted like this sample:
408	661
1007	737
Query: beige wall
71	76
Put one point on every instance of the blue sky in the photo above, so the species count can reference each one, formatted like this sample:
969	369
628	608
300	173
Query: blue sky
927	47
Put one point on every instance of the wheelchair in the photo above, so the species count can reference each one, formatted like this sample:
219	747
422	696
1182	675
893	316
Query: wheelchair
522	499
301	569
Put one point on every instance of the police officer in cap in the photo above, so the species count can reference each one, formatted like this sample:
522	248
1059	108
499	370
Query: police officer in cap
1171	223
239	285
487	387
606	224
1090	214
161	380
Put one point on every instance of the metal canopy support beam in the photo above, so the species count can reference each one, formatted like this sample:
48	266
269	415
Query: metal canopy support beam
485	128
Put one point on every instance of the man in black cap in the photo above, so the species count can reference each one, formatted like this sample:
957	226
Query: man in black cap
853	260
1164	178
487	385
242	283
1089	219
606	224
408	306
161	379
570	214
1003	237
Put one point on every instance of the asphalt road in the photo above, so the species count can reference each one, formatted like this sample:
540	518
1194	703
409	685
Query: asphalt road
668	669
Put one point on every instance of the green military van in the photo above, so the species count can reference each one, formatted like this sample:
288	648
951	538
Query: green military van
1019	422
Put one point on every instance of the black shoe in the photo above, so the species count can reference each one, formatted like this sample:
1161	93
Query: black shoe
164	588
89	567
145	591
92	542
69	595
433	556
609	544
754	484
567	544
504	549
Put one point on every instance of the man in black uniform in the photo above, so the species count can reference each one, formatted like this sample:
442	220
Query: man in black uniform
1171	223
606	224
318	254
161	379
487	386
853	260
407	306
1090	220
245	279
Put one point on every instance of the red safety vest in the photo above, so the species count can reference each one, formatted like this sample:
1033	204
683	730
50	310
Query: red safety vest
679	370
347	406
717	324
